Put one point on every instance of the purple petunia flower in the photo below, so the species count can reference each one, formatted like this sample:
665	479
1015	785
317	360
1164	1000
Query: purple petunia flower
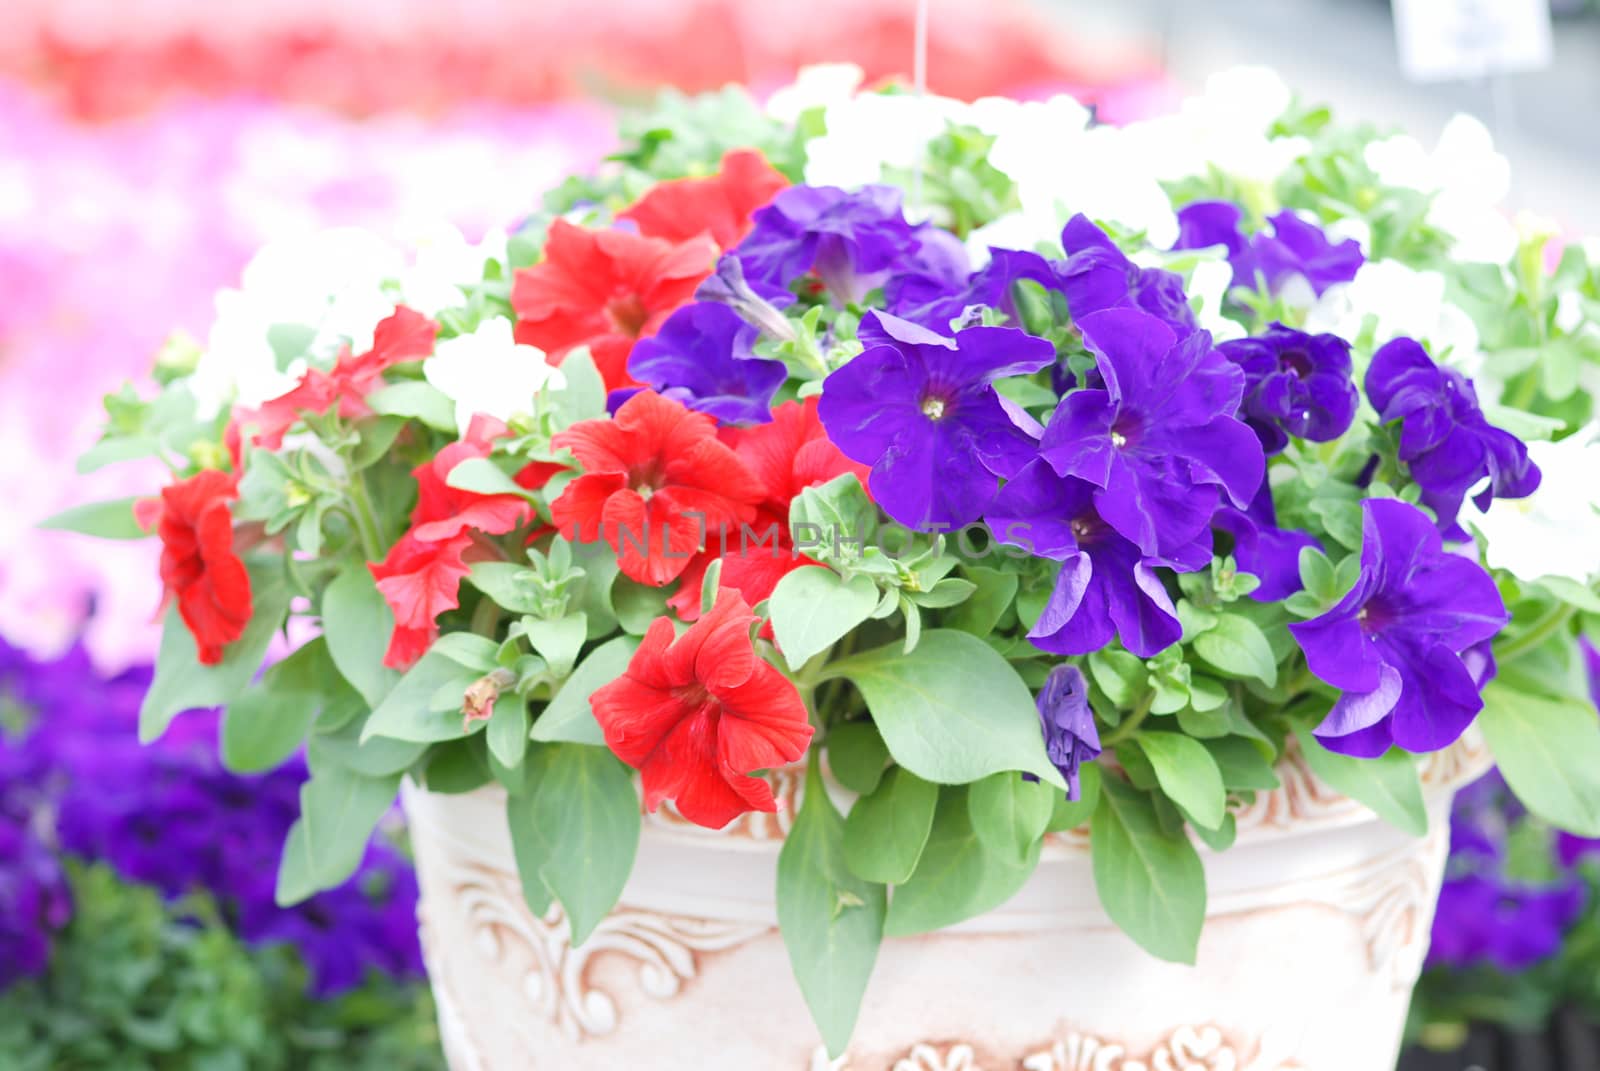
1408	645
1445	440
704	357
921	409
34	901
1160	441
756	303
1482	920
921	300
854	241
1070	736
1295	384
1262	549
1297	248
1097	276
1107	587
1205	224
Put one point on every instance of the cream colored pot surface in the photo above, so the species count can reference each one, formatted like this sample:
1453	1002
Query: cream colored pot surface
1316	928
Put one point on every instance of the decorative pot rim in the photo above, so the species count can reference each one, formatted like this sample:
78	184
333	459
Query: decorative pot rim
1302	805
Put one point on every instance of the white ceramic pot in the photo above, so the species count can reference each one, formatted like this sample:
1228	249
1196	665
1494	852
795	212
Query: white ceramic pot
1316	928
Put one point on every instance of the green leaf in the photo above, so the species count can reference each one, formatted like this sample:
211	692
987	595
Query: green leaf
507	584
584	396
182	683
1187	774
958	876
1122	676
887	830
1244	768
407	712
1388	784
104	520
508	729
338	812
558	642
636	605
953	711
266	724
1151	881
1549	751
577	818
831	920
1235	647
857	756
483	477
357	623
982	612
1069	813
417	400
467	650
814	607
568	716
1010	814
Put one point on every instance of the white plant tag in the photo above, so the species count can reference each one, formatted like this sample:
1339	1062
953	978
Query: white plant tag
1446	39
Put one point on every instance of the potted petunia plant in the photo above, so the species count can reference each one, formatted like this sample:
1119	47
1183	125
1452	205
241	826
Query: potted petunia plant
1037	578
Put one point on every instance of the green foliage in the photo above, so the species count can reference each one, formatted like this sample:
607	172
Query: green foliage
182	683
139	985
574	828
831	918
1149	877
959	876
888	828
952	711
1387	784
813	608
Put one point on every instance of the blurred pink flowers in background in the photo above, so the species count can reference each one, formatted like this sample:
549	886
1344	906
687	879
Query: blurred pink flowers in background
113	236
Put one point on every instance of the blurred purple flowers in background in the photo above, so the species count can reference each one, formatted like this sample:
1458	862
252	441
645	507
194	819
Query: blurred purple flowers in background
76	782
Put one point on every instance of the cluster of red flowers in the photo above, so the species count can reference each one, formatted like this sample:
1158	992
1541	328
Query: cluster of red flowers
606	289
663	485
421	576
405	335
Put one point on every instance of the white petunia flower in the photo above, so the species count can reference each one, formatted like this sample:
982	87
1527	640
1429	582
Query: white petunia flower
330	282
1405	302
1468	179
1227	128
818	86
1209	283
489	372
443	263
1556	530
874	131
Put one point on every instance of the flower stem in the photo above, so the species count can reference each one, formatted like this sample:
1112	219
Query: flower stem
1131	724
372	542
1552	621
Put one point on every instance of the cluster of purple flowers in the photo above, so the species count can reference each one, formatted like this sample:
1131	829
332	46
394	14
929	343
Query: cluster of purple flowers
1159	439
171	817
1295	249
1487	917
1164	443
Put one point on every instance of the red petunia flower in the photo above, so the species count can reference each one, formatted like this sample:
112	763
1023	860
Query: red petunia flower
719	206
604	289
421	576
443	511
199	566
419	580
405	335
656	480
696	715
786	456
